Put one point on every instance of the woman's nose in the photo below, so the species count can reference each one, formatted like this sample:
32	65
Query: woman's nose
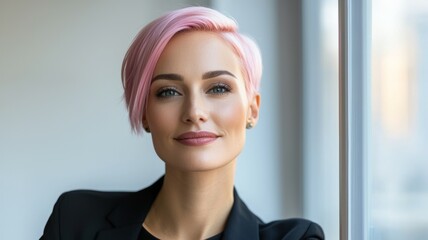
194	110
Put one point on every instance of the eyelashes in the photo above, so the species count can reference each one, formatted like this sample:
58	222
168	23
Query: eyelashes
167	92
219	89
215	89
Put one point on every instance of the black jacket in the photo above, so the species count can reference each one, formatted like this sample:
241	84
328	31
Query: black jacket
86	215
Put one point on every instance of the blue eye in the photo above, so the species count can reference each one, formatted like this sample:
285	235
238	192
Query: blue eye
167	92
220	88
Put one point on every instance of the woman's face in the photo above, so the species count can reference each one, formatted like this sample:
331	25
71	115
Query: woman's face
198	108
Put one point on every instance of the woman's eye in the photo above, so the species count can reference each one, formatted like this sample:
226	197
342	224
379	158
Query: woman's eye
219	89
167	92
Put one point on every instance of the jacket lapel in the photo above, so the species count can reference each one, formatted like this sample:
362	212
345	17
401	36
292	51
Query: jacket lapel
242	223
127	217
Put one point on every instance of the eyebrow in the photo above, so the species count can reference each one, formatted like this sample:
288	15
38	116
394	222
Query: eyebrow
168	76
207	75
213	74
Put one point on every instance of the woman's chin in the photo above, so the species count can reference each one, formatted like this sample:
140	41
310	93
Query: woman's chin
201	164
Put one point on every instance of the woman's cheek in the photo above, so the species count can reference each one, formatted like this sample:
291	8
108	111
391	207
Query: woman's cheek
162	116
231	114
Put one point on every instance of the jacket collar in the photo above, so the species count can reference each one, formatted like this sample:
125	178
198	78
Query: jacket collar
127	217
241	223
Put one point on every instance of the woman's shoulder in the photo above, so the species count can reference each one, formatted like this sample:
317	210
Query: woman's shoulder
81	212
89	199
293	228
92	196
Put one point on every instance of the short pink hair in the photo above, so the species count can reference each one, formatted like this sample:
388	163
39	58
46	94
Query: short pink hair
143	54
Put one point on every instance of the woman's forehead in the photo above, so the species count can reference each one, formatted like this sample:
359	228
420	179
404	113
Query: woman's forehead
197	51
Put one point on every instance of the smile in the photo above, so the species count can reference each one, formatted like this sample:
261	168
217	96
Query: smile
196	138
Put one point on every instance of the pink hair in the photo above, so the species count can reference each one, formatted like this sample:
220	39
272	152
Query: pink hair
143	54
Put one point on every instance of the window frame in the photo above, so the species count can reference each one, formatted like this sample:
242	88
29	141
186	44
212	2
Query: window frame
354	69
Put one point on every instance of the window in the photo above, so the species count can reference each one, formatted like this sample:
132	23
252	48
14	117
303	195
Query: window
384	163
384	117
397	189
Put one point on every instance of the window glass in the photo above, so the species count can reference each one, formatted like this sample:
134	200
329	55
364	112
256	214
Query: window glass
398	126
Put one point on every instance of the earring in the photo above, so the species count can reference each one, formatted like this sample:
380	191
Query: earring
147	129
249	125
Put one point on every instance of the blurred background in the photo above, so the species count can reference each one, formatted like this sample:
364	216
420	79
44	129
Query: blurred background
64	126
397	167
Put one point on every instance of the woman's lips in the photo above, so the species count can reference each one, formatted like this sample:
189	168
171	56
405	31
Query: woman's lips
196	138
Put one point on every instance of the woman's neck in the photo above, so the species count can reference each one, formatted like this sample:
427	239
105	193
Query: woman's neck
192	205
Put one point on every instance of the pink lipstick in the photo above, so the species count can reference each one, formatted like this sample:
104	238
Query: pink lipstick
196	138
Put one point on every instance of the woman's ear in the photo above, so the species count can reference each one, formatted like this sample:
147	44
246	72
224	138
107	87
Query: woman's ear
254	109
145	124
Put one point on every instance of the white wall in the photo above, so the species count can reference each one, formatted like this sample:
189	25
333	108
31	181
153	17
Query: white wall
63	124
321	111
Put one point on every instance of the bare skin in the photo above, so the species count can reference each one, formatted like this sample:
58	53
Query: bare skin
192	206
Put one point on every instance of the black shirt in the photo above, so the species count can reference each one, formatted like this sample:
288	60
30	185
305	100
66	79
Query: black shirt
145	235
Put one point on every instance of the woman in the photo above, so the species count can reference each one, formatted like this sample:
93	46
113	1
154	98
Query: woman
191	80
